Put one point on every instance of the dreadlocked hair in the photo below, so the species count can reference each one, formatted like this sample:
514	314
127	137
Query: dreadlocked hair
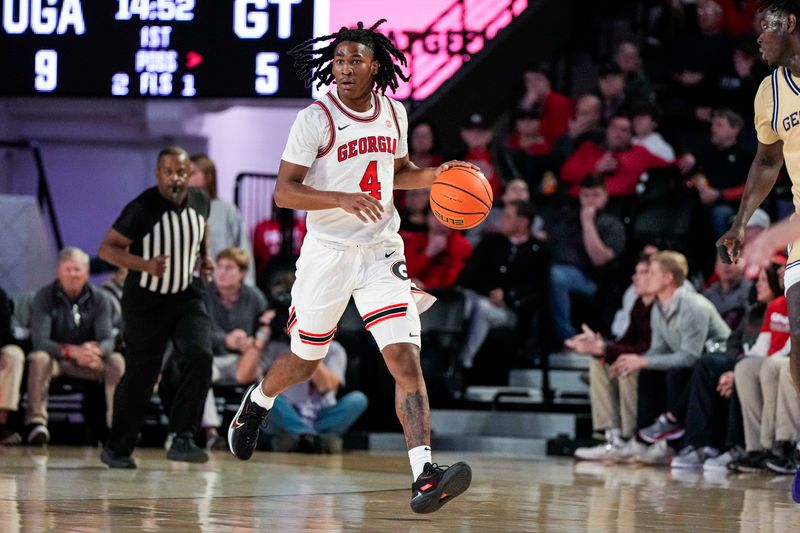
789	6
312	64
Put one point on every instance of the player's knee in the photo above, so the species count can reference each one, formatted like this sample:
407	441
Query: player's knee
403	361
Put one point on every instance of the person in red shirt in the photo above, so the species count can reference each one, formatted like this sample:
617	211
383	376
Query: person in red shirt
478	136
554	108
527	134
268	239
435	259
619	161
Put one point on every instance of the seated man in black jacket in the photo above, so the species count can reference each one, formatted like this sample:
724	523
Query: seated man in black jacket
72	336
505	276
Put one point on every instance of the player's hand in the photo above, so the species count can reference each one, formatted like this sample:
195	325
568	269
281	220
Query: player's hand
730	244
758	253
453	164
157	265
362	205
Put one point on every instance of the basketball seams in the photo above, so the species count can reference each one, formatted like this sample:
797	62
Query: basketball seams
482	213
435	183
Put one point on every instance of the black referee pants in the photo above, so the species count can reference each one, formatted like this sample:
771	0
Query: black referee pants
183	319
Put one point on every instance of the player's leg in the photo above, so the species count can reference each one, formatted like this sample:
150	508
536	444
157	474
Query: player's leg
322	289
387	307
792	283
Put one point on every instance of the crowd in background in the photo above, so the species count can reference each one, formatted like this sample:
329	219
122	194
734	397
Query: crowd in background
640	175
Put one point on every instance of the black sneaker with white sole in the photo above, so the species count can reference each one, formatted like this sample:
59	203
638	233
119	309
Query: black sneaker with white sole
437	485
244	428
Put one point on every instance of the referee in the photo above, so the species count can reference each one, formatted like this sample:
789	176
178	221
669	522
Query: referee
158	238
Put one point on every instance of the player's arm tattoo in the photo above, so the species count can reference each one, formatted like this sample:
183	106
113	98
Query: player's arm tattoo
414	414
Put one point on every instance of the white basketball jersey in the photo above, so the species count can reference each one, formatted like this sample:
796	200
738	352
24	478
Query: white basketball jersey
350	152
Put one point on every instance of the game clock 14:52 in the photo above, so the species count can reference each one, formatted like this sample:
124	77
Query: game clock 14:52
155	48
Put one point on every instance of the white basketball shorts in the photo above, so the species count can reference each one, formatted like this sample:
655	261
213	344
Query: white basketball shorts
328	273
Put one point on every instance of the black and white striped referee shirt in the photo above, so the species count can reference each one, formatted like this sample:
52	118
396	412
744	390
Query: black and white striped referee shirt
158	227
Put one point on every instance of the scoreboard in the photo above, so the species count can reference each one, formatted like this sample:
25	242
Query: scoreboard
155	48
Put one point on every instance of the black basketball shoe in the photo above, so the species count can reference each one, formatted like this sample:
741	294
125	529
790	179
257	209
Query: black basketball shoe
243	431
437	485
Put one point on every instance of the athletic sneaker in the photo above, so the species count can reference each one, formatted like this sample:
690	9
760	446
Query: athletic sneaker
602	452
752	461
184	449
244	428
661	429
785	464
721	461
658	454
437	485
693	458
628	452
9	437
39	435
117	460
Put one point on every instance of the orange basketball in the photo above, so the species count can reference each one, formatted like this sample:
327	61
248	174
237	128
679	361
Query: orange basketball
461	198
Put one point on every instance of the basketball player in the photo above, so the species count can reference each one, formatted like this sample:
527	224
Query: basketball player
345	154
778	130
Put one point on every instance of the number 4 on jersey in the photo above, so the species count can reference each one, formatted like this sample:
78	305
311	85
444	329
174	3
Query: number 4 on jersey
369	182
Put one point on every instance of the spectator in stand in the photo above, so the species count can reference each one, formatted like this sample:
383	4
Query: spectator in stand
622	317
740	82
618	162
268	237
422	145
12	363
738	16
415	214
308	417
224	220
730	293
516	189
504	279
72	336
583	245
697	63
713	415
722	170
757	383
525	151
644	119
240	325
585	125
478	136
527	135
553	108
629	61
681	324
611	90
613	396
434	259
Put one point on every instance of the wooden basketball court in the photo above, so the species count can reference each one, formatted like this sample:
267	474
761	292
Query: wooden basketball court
68	489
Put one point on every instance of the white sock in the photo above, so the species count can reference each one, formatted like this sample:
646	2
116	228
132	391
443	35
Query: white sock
259	398
418	457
